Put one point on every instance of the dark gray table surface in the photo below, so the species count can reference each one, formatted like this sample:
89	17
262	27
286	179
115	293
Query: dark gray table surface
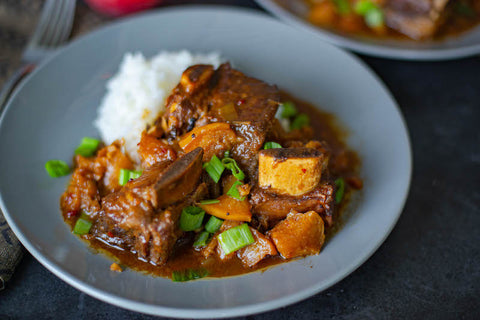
429	266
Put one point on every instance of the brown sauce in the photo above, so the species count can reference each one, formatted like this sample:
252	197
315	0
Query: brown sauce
186	257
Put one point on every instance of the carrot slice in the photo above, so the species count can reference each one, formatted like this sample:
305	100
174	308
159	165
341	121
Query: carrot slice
229	208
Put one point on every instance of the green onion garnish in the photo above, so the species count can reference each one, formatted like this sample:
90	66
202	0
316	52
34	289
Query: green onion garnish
209	201
232	165
343	6
340	183
214	168
123	177
233	191
213	224
202	239
189	274
363	6
57	168
135	174
83	225
300	121
87	147
236	238
288	110
191	218
272	145
226	154
127	175
371	13
374	17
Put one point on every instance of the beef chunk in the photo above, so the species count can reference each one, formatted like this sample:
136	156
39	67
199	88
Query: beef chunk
94	177
417	19
203	93
188	101
198	100
245	151
148	208
270	207
253	99
300	234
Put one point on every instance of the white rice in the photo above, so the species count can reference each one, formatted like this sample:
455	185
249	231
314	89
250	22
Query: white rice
136	94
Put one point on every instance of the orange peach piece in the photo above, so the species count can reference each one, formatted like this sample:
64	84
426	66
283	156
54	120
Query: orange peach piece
213	138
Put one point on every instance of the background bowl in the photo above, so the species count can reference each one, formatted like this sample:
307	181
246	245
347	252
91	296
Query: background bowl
464	45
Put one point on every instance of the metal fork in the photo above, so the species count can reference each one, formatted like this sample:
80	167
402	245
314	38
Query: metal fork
52	30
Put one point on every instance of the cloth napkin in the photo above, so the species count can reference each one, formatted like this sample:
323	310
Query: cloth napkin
11	252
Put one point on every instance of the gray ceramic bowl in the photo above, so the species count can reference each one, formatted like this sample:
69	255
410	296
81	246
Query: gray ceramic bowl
465	45
55	108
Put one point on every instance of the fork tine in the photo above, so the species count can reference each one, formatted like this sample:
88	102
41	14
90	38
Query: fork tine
64	18
52	24
42	23
67	21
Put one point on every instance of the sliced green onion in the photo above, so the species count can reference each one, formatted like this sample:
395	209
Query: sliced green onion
213	224
374	17
135	174
127	175
226	154
123	177
209	201
232	165
214	168
83	225
340	183
87	147
363	6
288	110
188	275
236	238
272	145
300	121
57	168
343	6
202	239
191	218
233	191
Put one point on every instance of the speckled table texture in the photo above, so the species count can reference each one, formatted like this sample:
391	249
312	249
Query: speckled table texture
429	266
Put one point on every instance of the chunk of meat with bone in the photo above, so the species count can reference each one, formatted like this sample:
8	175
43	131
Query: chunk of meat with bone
417	19
82	193
300	234
252	99
187	103
224	95
137	207
94	177
270	207
245	151
290	171
204	92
